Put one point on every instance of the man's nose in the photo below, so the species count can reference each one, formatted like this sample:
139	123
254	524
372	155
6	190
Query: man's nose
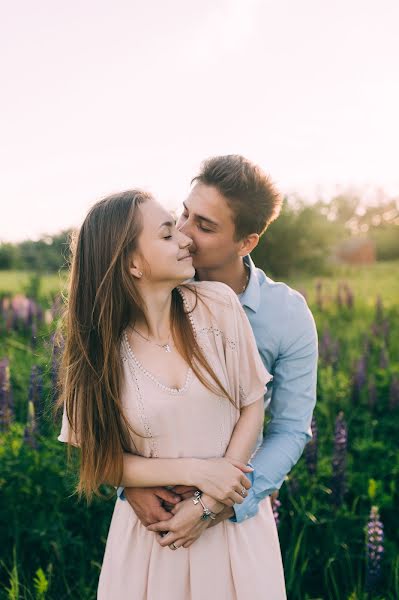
185	240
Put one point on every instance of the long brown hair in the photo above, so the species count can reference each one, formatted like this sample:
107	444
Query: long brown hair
102	301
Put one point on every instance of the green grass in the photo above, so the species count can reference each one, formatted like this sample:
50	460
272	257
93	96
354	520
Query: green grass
13	282
367	282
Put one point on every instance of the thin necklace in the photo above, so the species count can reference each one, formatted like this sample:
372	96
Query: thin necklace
165	347
246	281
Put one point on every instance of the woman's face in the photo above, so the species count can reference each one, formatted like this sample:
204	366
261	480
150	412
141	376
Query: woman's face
163	251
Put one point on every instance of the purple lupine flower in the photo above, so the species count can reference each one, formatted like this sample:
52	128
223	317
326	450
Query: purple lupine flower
276	505
372	392
366	348
374	330
36	395
359	378
339	297
56	308
394	392
385	330
6	399
349	297
57	344
379	309
31	312
304	294
338	484
30	432
293	486
33	339
384	359
311	449
328	348
319	298
374	549
324	345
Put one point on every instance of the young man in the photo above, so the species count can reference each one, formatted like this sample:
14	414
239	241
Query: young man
230	206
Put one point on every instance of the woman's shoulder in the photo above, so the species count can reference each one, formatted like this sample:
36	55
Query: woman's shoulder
216	292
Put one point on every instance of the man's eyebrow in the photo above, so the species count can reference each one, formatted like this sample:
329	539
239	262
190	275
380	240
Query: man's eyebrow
202	218
167	224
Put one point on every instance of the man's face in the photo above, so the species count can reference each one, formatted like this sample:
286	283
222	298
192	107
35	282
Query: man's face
208	220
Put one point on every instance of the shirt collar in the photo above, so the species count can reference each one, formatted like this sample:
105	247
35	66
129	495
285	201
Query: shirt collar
251	296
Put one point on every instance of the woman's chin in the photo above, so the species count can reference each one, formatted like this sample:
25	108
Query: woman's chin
187	273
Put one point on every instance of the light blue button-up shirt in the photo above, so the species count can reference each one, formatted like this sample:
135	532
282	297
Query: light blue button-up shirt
286	337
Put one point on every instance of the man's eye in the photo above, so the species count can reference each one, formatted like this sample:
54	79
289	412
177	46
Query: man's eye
167	237
205	229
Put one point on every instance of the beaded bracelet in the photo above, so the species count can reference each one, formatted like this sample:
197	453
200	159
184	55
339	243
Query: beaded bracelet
206	513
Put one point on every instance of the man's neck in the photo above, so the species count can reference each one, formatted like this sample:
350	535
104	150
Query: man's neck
233	274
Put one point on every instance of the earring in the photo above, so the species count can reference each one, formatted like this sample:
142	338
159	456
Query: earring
140	274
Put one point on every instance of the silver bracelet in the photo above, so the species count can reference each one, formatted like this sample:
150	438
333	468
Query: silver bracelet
206	512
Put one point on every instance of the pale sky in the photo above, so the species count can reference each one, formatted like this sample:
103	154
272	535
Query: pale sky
99	96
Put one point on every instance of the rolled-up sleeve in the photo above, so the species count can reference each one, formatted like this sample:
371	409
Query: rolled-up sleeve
291	407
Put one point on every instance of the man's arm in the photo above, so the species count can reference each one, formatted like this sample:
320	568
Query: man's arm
291	407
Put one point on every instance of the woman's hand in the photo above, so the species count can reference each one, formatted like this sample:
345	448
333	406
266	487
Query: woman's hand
184	527
223	479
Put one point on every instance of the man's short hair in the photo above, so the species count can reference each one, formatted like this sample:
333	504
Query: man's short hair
249	192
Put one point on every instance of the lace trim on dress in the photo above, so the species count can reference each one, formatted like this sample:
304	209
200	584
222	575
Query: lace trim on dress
151	376
154	450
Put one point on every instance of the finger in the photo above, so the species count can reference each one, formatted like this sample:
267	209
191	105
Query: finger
187	495
167	539
240	465
161	526
236	497
245	483
178	543
168	496
160	514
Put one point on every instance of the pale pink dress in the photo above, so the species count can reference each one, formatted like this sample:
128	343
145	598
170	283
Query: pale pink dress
231	561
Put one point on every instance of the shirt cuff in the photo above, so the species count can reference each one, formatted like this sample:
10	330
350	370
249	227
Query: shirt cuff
120	492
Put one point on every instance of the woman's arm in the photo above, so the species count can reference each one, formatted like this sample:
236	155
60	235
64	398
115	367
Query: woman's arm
246	432
139	471
242	441
220	478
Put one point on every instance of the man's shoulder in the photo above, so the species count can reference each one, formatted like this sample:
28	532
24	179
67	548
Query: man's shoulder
279	296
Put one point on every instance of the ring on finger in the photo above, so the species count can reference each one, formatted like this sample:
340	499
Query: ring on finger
173	546
243	492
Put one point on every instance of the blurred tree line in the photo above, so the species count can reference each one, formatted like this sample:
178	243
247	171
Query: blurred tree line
302	239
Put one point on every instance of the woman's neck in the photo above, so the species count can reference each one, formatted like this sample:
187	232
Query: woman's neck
157	303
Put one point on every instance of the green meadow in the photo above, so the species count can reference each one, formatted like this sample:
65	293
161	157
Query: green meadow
337	511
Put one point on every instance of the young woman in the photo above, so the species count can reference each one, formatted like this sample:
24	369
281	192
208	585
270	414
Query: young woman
162	384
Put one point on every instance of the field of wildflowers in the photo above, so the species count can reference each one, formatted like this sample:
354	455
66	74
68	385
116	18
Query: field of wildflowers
336	513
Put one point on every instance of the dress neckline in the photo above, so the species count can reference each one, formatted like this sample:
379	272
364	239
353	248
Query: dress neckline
150	375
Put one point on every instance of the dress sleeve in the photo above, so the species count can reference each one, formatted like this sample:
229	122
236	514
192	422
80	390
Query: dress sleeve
65	429
249	369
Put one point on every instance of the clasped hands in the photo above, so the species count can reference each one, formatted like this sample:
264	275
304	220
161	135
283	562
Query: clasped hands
171	513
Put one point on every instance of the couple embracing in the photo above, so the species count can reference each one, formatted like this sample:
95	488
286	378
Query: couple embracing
176	344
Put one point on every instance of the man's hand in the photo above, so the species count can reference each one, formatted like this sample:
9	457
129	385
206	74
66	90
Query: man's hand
184	528
147	503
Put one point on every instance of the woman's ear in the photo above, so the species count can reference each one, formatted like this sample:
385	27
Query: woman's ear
135	268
